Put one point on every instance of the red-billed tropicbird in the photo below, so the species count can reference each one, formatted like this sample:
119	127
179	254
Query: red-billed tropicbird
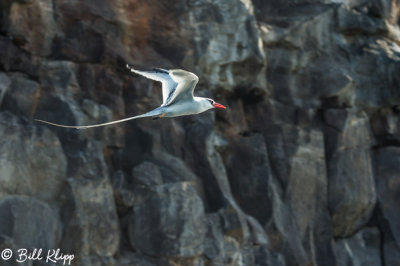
177	90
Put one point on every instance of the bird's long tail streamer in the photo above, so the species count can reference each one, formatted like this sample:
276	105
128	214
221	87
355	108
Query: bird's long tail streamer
154	112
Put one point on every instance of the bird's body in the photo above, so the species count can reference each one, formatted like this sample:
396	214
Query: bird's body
185	108
178	100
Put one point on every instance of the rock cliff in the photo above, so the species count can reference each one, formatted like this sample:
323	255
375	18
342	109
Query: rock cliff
302	169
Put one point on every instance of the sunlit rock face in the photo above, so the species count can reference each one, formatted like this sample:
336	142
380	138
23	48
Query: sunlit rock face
301	169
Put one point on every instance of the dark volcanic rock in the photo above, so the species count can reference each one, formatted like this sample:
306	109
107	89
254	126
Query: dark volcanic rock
22	96
388	187
385	123
32	160
228	50
361	249
35	39
91	229
148	174
249	182
30	223
351	193
168	220
4	85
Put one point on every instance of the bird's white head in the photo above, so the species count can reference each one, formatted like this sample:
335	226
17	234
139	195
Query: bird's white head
210	103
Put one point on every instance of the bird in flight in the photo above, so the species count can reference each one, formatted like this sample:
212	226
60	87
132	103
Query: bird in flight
177	90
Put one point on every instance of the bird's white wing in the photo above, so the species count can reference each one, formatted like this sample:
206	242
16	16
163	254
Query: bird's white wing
186	82
158	74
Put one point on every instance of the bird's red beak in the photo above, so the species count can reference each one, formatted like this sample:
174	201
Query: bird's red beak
218	105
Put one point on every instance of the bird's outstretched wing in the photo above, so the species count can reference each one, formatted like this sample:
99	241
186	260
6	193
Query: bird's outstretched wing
154	113
157	74
177	84
186	83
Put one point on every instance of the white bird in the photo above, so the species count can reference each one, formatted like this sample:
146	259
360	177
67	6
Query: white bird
177	90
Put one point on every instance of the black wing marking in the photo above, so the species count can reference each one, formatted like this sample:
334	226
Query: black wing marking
148	69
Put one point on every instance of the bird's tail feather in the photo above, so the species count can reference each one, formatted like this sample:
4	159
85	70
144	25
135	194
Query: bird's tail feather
155	112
